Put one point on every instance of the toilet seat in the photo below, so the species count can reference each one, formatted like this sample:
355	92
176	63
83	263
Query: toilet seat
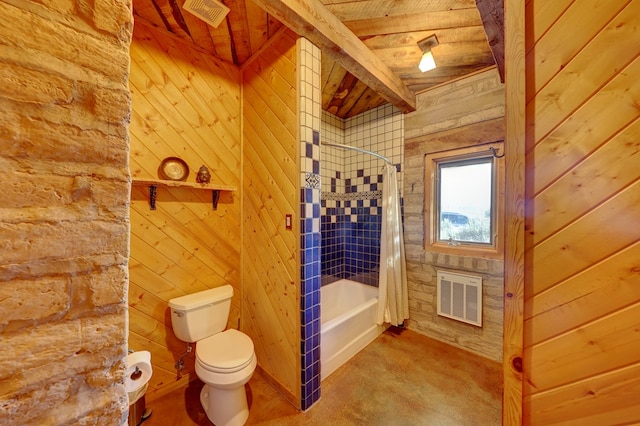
225	352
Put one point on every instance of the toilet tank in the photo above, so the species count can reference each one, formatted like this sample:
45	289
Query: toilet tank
202	314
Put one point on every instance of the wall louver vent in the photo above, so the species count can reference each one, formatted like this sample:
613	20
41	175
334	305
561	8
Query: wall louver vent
460	297
210	11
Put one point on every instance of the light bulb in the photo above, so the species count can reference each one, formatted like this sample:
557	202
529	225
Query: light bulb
427	62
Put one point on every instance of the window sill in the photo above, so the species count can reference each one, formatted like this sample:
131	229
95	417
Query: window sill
465	250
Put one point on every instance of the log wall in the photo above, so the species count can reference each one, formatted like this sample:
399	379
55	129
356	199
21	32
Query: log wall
467	112
187	105
64	219
582	288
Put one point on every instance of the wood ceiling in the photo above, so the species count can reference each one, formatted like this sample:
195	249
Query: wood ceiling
369	48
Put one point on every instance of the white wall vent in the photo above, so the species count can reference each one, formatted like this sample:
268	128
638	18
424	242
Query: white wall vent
210	11
460	297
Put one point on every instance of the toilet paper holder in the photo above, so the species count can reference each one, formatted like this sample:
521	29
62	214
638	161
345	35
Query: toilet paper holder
137	373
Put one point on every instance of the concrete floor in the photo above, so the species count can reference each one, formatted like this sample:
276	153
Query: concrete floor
402	378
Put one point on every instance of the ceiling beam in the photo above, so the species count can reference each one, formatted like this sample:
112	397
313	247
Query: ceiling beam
492	14
312	20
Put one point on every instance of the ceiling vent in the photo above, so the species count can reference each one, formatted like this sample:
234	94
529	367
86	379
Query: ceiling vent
210	11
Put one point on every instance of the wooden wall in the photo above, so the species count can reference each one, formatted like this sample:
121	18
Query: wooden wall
582	288
185	104
514	211
270	173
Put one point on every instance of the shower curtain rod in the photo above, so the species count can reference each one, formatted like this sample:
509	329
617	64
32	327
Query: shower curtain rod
353	148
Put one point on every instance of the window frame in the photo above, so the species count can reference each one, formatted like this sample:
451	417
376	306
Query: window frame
431	242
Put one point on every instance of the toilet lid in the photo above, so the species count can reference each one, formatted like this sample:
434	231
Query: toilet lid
225	352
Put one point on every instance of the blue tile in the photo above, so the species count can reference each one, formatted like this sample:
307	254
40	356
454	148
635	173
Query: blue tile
306	301
307	284
307	401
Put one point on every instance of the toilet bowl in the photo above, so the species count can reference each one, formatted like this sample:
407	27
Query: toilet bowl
225	360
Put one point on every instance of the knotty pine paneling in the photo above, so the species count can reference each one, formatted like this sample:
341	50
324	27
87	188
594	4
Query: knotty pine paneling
270	174
184	104
582	292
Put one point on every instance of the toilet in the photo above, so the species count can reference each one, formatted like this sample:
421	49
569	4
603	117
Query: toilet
225	360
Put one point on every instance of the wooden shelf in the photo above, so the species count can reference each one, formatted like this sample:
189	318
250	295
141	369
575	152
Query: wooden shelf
153	185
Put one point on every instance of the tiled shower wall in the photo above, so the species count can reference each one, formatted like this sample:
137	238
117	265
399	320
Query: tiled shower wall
352	191
309	90
351	202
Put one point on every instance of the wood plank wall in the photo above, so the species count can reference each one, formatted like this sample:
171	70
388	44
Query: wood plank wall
270	173
515	203
184	104
582	288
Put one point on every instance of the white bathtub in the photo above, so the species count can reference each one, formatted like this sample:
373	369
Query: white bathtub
347	312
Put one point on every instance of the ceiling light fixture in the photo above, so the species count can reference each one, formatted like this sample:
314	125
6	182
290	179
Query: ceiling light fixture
427	62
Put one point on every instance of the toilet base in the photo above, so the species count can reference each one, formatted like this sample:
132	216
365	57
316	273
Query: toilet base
225	407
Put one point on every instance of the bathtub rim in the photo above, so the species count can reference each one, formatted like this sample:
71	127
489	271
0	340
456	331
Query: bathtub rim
329	363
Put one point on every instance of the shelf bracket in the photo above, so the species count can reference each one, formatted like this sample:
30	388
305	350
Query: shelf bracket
152	196
215	196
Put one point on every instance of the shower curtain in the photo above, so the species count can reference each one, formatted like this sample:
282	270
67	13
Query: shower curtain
393	295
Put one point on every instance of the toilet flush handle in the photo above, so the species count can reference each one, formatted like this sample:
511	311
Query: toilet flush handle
179	314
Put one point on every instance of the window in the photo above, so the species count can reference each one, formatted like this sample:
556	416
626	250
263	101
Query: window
463	211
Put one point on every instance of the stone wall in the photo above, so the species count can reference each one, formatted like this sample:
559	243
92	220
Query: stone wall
64	221
463	113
